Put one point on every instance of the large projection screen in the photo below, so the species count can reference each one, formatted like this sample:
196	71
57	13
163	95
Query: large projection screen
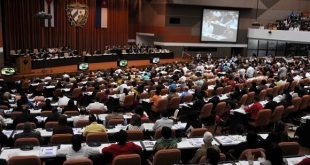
219	25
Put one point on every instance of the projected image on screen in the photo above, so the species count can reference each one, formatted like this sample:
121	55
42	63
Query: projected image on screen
219	25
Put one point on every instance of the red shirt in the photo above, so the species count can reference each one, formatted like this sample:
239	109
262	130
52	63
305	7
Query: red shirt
117	149
254	109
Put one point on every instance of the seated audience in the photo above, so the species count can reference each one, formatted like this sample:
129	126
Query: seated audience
77	150
251	142
253	109
3	137
63	100
166	141
164	121
47	106
192	122
274	155
70	106
212	156
53	117
270	104
93	126
122	146
62	127
203	150
24	117
135	123
97	105
28	132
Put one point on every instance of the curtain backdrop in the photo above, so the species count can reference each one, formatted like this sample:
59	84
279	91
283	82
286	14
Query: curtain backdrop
24	30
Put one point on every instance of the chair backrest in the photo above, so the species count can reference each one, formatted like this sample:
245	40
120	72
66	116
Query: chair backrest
72	113
220	108
174	103
263	117
144	95
46	113
97	137
82	123
188	98
209	92
158	135
18	160
167	157
262	94
135	135
61	139
296	101
269	91
115	121
129	100
133	159
206	110
20	126
219	90
275	91
76	93
289	148
78	161
51	125
304	102
277	114
204	160
15	114
162	105
227	89
258	152
96	111
243	99
250	98
26	141
197	132
164	91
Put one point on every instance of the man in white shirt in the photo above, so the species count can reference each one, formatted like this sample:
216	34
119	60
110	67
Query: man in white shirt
97	105
282	72
250	72
122	87
163	122
63	100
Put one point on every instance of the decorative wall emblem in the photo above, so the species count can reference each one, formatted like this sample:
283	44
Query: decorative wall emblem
77	14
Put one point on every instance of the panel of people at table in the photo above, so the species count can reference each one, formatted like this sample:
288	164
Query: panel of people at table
67	51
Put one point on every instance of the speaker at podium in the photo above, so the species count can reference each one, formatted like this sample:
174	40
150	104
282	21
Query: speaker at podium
23	64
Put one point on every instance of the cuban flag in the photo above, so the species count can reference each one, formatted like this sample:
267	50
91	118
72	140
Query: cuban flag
50	7
101	13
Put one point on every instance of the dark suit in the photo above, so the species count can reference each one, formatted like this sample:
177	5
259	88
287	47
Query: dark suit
31	134
25	117
62	130
52	117
271	105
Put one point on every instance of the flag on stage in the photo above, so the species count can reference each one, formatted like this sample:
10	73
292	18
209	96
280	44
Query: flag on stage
50	7
101	14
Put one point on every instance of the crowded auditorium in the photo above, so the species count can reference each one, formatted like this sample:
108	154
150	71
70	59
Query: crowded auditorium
155	82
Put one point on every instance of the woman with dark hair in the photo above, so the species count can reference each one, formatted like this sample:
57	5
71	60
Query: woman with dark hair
135	123
77	150
274	155
213	156
70	106
47	106
122	146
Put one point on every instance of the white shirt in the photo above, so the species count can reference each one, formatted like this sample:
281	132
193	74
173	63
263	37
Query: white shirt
85	151
242	72
122	87
250	72
96	105
63	101
163	122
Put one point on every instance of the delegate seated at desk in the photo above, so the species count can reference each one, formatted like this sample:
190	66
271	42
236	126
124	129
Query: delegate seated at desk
253	109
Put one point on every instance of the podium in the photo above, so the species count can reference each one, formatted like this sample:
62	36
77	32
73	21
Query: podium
23	64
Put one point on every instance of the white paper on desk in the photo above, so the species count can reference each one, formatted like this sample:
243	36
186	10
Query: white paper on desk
17	132
7	133
48	151
65	146
179	126
197	142
148	144
294	160
40	118
77	131
239	110
247	163
264	135
224	140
